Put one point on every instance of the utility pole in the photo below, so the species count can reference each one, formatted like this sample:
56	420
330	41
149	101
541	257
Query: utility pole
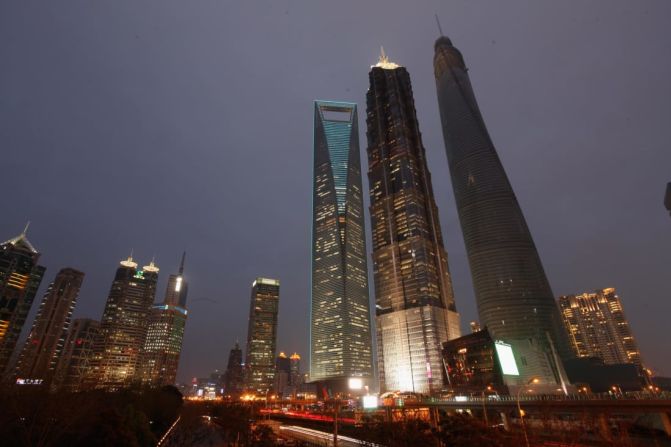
335	422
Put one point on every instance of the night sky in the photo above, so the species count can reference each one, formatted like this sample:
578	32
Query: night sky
187	125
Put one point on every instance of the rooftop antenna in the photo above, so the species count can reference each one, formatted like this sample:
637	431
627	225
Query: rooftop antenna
131	254
181	264
440	29
383	55
25	230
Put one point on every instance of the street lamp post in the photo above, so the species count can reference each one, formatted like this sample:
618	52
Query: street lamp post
484	407
335	422
519	409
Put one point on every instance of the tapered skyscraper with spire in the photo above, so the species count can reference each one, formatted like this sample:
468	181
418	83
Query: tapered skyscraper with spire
165	332
340	331
415	309
513	295
20	277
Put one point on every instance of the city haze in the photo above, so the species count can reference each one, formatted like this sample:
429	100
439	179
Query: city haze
170	126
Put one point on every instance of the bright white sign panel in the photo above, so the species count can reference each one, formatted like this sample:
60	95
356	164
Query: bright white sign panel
355	383
506	359
370	402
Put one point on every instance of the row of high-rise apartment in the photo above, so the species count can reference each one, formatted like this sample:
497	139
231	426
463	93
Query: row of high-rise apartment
134	342
139	342
597	327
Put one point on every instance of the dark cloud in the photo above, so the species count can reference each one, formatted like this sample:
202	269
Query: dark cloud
171	125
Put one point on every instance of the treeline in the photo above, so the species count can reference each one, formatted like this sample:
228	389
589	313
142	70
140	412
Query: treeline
31	416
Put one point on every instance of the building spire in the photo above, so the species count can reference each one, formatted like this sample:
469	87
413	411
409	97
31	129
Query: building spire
181	264
129	262
25	230
384	62
440	29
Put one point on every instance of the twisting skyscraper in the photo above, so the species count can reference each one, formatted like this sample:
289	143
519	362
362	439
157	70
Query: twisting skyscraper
165	332
340	334
123	327
46	340
514	298
20	277
415	309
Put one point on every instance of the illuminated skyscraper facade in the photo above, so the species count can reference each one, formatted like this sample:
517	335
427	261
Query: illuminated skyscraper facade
415	309
165	332
46	340
340	333
597	327
513	295
124	326
20	277
262	336
75	362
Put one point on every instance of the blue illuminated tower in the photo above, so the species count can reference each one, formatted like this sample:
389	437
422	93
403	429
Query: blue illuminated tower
340	334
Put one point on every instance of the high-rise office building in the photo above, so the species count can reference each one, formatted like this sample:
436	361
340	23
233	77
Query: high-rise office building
262	336
282	373
295	369
667	197
20	277
597	327
234	376
46	340
124	326
165	332
75	362
415	309
513	295
340	331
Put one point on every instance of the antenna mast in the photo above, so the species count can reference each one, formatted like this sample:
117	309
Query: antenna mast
440	29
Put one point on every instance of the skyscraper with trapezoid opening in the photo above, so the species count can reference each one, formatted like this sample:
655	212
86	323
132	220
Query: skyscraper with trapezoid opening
340	334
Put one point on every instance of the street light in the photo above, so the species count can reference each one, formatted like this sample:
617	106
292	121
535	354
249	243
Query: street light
616	389
531	381
484	400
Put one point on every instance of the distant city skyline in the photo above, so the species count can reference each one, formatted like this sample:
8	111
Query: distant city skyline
141	128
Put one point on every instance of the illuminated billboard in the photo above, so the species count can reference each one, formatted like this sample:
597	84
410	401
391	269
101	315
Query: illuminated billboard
506	359
369	402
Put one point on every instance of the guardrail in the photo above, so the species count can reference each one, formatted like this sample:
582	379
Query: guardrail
632	396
